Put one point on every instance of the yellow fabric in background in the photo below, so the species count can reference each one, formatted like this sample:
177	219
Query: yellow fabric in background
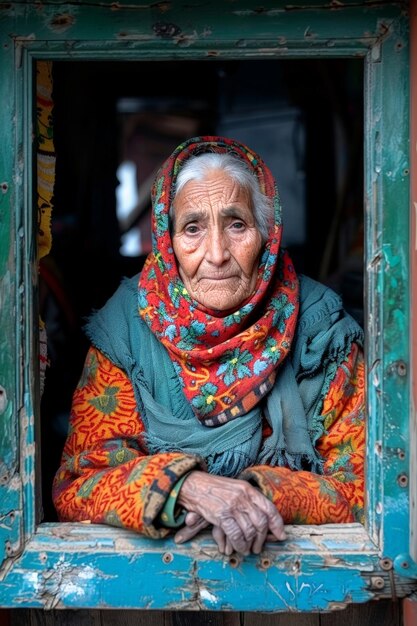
45	155
45	165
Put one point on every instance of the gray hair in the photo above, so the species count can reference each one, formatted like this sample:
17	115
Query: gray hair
197	167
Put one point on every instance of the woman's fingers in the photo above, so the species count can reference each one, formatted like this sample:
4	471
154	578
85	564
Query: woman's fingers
258	544
260	517
232	527
220	538
277	529
192	518
223	543
248	529
187	532
229	548
253	528
265	514
275	522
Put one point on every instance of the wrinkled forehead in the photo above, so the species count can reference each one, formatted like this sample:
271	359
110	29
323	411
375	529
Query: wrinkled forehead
214	196
215	189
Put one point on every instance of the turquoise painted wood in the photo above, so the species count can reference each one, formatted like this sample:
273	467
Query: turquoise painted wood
317	568
98	567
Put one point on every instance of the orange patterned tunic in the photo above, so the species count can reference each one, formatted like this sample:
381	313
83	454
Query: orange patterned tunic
107	476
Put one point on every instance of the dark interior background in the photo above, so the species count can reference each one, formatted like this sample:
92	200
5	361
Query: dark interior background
305	118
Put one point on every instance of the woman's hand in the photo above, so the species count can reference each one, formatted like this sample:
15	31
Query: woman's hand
241	515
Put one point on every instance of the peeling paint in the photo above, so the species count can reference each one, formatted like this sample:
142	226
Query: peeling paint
415	222
129	36
184	40
24	39
53	578
166	30
3	400
206	596
259	11
61	22
308	34
162	7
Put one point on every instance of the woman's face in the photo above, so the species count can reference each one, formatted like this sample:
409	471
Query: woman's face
216	241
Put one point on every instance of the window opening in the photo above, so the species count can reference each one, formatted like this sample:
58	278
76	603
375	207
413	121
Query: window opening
115	123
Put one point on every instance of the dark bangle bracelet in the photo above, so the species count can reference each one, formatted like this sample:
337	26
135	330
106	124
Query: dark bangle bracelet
171	515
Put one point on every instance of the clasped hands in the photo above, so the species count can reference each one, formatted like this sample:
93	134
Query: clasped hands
242	518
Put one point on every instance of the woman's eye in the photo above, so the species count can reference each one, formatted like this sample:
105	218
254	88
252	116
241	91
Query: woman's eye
191	229
238	225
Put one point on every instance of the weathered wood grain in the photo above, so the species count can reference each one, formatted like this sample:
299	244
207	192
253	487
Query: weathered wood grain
282	619
413	252
382	613
204	618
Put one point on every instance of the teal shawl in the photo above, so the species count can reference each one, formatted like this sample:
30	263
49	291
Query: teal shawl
293	407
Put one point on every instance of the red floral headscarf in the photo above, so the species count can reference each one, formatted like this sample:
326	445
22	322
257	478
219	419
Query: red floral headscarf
226	362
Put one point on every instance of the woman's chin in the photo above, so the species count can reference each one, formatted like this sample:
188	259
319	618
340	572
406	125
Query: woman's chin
225	302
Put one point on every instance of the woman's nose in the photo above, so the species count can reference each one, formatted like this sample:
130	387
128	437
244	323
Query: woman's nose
217	250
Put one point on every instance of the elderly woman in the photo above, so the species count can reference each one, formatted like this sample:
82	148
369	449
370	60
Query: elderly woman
221	390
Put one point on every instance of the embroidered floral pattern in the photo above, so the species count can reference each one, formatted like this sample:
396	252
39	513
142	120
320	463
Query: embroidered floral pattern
233	365
107	402
271	351
190	335
238	316
205	402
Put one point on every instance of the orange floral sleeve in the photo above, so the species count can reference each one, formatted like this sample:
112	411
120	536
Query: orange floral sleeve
106	475
303	497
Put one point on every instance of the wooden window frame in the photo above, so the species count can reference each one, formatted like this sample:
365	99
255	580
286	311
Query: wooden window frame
319	567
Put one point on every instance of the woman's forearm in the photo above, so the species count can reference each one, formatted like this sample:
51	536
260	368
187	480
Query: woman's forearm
130	495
